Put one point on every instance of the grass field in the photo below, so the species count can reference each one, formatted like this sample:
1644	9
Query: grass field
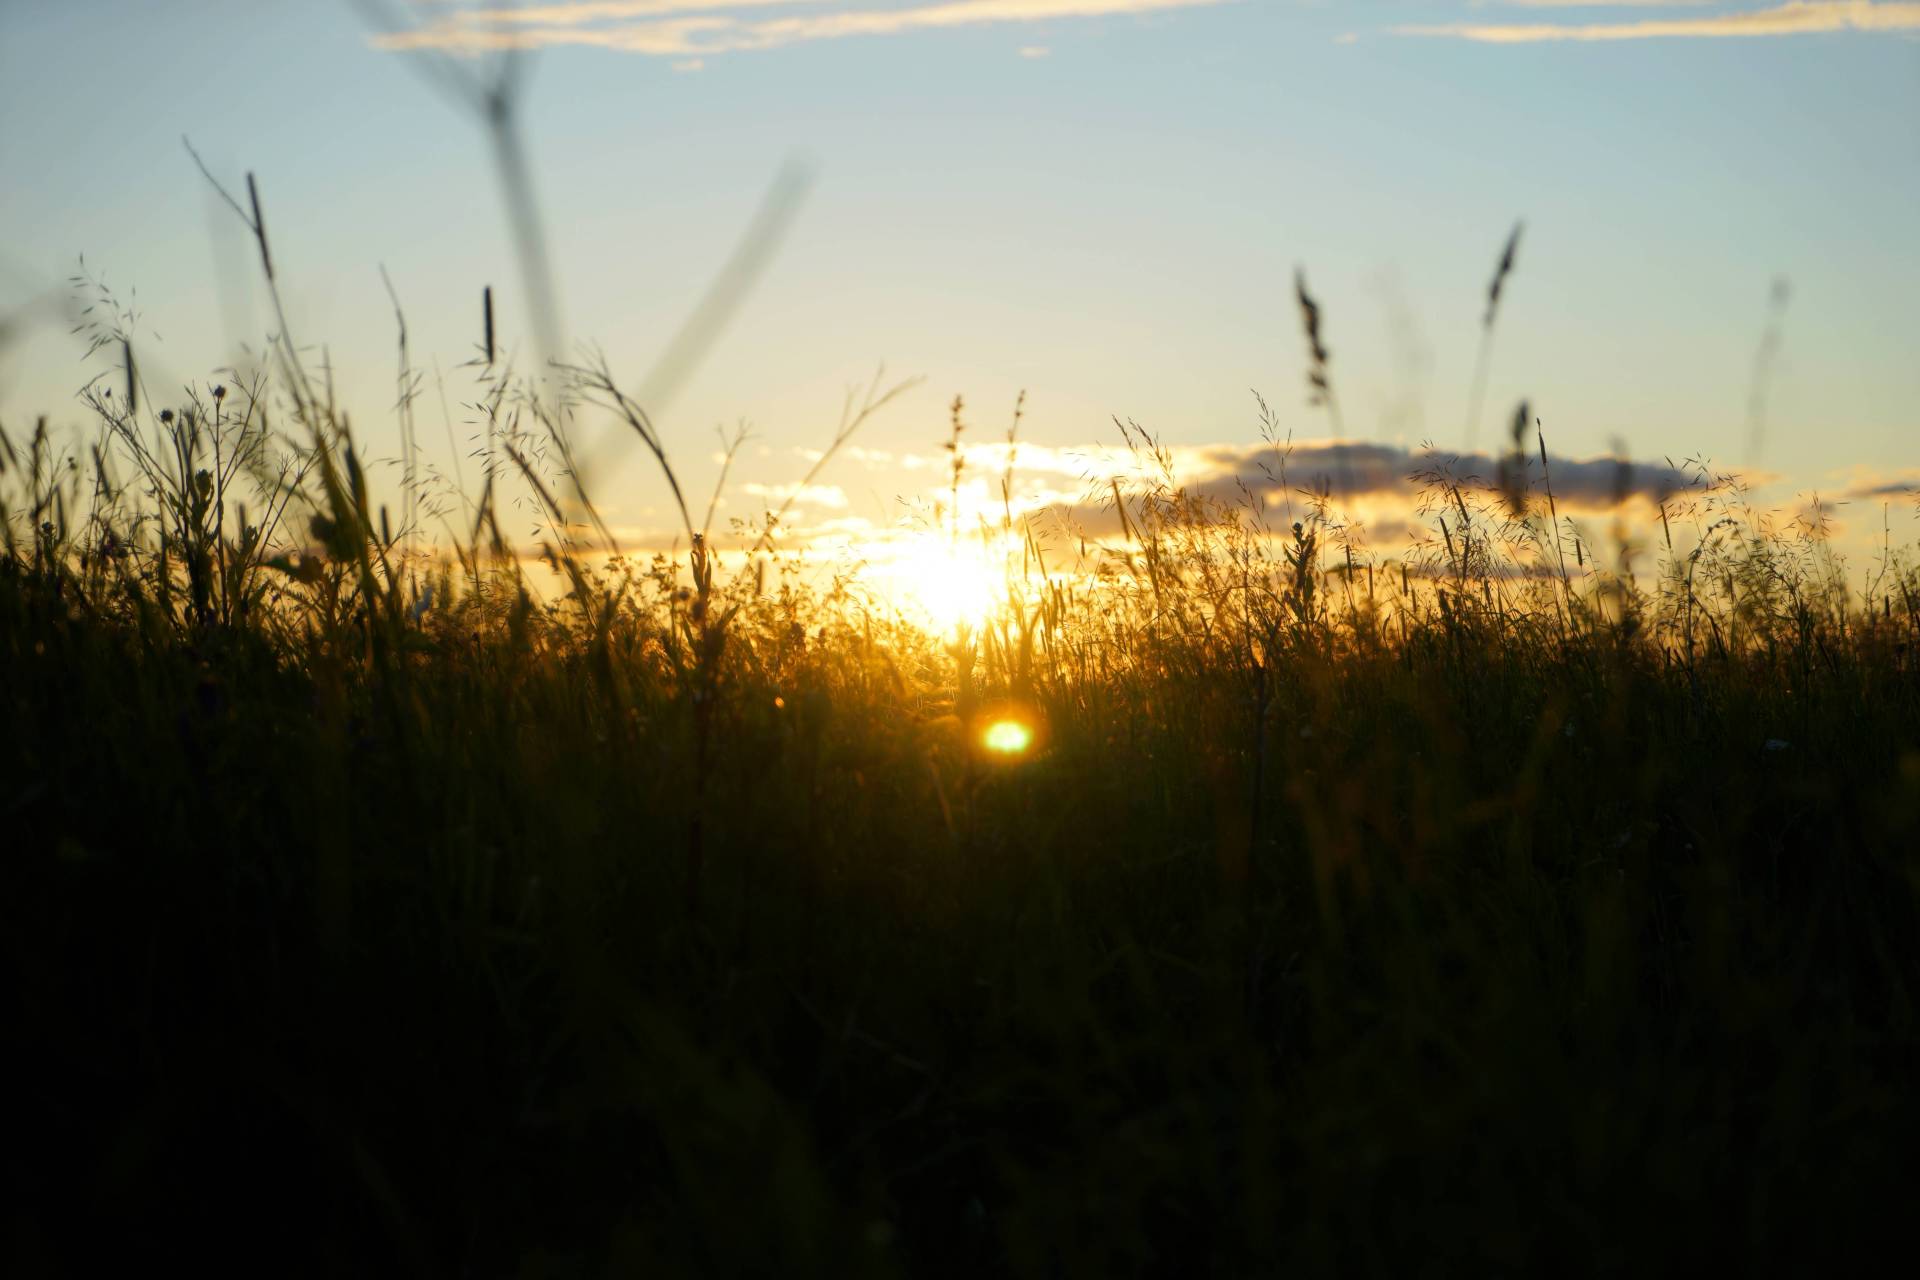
365	912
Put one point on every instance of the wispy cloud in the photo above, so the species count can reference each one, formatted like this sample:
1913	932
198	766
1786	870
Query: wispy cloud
703	28
1864	484
1610	4
573	13
1797	17
813	495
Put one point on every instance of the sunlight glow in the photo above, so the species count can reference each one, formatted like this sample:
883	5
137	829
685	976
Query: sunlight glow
954	586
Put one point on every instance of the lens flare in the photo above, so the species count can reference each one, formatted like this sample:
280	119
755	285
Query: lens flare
1007	738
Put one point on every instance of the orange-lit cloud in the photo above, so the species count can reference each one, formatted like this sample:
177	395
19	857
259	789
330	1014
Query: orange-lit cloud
1797	17
1386	494
1864	484
1379	488
699	28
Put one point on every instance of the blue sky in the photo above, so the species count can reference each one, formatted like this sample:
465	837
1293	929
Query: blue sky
1102	204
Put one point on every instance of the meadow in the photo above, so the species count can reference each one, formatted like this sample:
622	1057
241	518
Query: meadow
382	896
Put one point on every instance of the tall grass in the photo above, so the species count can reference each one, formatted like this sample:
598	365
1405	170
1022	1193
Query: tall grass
372	904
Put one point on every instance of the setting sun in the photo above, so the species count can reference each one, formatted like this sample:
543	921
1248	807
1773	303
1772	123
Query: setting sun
954	586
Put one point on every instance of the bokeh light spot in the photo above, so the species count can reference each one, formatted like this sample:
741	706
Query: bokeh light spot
1007	738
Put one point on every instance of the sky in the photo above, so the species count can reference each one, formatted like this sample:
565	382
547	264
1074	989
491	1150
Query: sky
1100	202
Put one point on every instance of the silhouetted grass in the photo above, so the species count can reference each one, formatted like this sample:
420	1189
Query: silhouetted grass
366	911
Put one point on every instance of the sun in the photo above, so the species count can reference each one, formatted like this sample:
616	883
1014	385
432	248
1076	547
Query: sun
954	586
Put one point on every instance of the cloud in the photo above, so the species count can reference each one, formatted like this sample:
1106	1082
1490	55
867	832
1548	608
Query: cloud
1359	470
703	28
1796	17
813	495
1377	486
1067	494
1868	485
1355	469
990	457
570	13
1609	4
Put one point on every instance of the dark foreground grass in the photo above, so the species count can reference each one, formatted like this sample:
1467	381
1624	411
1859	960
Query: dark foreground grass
354	929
